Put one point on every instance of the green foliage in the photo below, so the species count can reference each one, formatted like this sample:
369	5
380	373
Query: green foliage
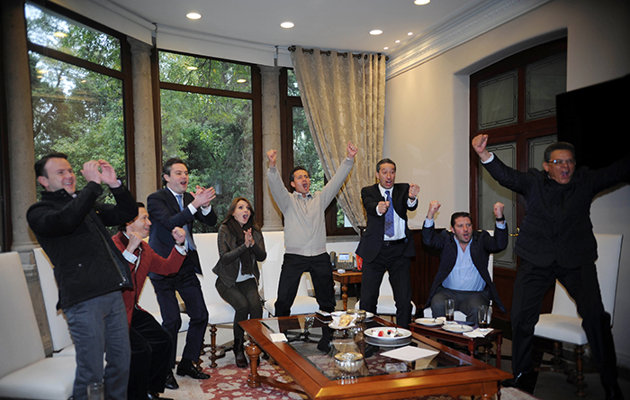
75	110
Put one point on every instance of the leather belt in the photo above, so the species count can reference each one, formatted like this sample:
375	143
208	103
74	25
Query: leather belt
388	243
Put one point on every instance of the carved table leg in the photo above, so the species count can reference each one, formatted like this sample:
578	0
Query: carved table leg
253	352
344	296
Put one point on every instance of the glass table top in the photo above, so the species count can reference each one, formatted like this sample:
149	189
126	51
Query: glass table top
324	347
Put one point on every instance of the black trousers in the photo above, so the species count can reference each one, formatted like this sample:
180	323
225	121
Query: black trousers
321	273
243	296
151	348
532	281
186	283
392	260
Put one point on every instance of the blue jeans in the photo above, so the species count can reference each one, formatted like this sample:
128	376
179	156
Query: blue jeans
99	325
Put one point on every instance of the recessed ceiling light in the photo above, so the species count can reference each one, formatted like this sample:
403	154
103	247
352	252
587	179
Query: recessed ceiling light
409	33
193	15
287	24
397	41
421	2
376	32
191	68
60	35
385	48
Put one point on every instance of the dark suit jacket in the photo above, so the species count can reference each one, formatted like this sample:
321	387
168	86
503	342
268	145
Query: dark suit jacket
482	245
557	225
372	239
165	215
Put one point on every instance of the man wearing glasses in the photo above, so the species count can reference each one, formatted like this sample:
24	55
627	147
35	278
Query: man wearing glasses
556	241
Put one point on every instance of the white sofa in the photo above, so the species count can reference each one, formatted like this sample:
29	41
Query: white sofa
25	371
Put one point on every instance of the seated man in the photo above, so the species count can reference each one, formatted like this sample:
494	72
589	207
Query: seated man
151	344
463	274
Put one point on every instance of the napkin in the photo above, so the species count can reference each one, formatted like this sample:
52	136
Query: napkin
479	332
278	337
409	353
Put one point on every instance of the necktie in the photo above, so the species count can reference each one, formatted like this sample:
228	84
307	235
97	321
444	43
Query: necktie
389	216
189	241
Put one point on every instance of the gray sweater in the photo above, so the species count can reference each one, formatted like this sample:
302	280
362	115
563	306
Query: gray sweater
304	222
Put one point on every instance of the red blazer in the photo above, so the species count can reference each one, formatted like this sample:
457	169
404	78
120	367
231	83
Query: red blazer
149	261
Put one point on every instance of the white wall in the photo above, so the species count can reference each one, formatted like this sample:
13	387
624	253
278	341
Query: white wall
427	113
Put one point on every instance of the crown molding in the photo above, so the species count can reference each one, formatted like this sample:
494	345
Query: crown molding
456	31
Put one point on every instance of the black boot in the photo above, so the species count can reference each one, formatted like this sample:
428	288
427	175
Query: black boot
239	355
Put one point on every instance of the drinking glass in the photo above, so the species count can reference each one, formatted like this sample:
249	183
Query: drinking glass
449	309
484	316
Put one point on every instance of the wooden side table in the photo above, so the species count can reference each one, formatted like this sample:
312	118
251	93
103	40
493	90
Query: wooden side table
496	336
346	278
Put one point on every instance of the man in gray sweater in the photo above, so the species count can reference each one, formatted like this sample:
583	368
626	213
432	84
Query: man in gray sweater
305	231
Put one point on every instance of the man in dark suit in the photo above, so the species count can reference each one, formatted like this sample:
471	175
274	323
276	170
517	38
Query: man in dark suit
556	241
463	272
170	207
387	243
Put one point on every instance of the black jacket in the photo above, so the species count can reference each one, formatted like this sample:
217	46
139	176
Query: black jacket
557	224
482	245
229	262
372	238
72	232
165	215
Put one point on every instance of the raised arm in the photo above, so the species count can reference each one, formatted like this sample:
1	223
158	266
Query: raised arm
479	144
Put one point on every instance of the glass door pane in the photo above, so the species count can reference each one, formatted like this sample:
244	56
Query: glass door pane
489	193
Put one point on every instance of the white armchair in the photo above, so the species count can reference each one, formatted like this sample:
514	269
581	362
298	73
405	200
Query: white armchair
59	332
564	324
25	371
219	311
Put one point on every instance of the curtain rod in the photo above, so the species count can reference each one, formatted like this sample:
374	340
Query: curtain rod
329	52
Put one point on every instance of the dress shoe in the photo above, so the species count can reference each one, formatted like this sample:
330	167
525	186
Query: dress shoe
239	355
155	396
171	383
186	367
525	381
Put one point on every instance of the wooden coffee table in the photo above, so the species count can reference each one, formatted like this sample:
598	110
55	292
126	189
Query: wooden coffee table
315	376
495	336
345	279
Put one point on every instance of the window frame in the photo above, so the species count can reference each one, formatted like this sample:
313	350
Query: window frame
286	152
520	132
125	76
255	96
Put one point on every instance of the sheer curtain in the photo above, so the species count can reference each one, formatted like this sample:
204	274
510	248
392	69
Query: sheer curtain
343	95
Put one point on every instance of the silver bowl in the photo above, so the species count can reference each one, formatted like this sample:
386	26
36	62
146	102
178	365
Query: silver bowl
349	362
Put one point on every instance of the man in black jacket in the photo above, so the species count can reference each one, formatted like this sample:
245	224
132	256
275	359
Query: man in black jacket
556	241
170	207
387	243
463	272
89	270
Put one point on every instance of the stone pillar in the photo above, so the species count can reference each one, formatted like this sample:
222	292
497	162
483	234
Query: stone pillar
22	184
271	140
19	122
144	128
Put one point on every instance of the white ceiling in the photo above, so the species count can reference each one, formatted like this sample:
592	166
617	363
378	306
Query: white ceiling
324	24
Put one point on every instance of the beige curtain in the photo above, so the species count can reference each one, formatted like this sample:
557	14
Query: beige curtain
343	95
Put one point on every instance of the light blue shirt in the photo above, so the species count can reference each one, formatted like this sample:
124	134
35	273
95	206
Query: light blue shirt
464	275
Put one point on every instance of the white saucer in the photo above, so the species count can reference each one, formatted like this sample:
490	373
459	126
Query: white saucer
457	328
429	321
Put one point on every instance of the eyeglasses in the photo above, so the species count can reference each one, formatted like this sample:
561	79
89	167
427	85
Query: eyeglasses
570	161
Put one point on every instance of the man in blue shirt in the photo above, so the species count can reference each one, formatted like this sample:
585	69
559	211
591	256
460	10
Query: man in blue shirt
463	272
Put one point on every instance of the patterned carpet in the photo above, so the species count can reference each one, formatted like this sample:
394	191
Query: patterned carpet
229	382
